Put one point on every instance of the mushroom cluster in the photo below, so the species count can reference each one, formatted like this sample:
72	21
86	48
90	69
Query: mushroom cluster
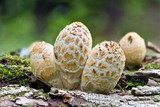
72	63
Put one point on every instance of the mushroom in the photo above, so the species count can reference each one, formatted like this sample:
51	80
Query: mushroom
42	61
71	49
103	68
134	48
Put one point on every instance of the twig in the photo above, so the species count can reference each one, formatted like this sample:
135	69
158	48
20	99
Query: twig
153	47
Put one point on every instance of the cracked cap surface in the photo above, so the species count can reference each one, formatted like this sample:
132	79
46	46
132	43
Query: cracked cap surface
103	68
43	63
72	47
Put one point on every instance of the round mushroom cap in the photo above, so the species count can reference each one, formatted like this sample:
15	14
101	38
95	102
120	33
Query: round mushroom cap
134	48
42	61
103	68
32	45
72	47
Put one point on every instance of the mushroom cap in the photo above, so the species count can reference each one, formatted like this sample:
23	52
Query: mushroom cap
71	49
134	48
42	61
103	68
32	45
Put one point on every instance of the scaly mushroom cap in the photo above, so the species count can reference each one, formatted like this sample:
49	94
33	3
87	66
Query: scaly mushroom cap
103	68
134	48
43	63
32	45
72	47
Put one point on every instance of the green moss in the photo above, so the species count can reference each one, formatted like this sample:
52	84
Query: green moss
62	105
152	65
130	70
26	106
41	92
15	70
14	60
45	95
135	83
129	81
13	96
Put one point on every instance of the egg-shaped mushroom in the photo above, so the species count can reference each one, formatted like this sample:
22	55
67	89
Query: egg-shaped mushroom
134	48
71	49
42	61
103	68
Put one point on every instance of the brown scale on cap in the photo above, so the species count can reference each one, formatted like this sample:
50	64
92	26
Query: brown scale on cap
134	48
130	39
76	40
103	67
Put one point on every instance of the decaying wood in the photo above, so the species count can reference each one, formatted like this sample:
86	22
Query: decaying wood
142	96
146	90
149	58
139	96
149	73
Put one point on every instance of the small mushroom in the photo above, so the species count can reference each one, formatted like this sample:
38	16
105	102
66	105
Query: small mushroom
134	48
103	68
42	61
71	49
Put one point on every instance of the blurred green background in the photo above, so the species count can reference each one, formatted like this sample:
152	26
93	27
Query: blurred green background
25	21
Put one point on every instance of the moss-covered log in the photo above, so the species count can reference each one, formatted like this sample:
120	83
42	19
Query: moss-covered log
17	70
14	70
